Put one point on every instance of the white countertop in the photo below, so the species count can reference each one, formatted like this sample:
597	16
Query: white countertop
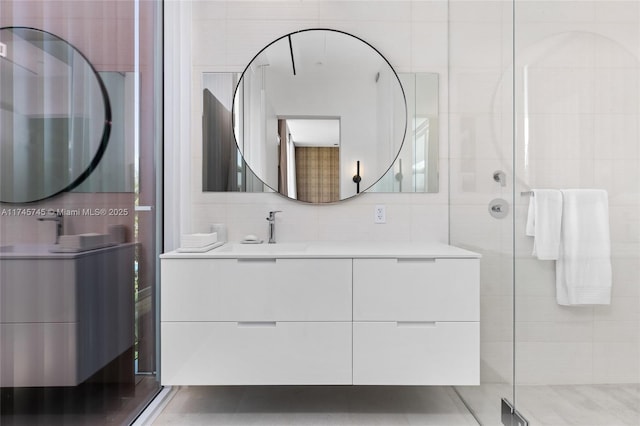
334	250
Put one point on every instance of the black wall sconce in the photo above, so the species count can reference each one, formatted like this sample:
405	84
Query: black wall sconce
357	178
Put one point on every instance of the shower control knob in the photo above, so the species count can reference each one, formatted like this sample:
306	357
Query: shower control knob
499	208
500	177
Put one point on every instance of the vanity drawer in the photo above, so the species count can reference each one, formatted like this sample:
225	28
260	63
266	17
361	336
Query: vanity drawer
256	289
416	290
279	353
439	353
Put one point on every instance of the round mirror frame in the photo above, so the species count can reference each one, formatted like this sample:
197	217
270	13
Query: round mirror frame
356	177
104	140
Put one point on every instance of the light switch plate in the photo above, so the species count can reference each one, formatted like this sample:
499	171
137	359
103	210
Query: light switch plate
3	50
379	214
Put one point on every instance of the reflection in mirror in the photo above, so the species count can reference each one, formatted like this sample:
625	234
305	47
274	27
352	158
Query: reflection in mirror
309	152
415	169
223	168
116	172
320	74
54	116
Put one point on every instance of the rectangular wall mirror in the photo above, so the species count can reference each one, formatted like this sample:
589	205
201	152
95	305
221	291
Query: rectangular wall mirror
415	169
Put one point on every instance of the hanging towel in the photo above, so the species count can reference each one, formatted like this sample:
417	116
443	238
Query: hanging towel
543	223
583	269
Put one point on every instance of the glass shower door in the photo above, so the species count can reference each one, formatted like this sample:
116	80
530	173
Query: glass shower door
481	177
78	261
577	81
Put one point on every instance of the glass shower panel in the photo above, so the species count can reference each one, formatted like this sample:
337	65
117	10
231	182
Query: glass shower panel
577	82
481	146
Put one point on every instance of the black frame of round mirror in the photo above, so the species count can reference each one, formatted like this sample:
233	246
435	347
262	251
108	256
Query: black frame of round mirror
107	120
395	74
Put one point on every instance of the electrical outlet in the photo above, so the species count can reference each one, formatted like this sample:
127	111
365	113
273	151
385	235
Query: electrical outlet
379	214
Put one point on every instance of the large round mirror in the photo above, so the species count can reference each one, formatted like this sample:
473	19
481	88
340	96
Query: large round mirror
54	116
319	115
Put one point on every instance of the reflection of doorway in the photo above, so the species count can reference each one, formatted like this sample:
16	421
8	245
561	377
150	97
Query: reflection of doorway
310	159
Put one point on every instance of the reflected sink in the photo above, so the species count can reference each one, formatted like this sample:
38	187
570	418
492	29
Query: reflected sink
263	248
32	249
82	242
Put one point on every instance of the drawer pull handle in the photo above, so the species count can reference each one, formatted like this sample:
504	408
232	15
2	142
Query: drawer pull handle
256	323
416	260
257	259
421	324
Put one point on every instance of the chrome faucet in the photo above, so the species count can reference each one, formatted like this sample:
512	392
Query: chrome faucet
58	219
272	226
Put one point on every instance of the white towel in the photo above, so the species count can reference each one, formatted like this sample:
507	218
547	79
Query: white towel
543	223
583	270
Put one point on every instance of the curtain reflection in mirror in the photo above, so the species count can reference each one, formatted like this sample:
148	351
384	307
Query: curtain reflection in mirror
224	169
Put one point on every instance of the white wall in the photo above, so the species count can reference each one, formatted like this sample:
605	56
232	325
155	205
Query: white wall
224	36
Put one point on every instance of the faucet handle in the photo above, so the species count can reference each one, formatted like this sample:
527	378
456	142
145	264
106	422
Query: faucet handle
272	214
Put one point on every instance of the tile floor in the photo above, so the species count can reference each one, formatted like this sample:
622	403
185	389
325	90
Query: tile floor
559	405
570	405
315	405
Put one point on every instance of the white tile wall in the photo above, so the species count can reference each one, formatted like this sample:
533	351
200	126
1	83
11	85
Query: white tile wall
412	35
583	132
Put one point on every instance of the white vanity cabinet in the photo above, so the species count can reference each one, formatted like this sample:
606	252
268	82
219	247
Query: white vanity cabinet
416	321
256	321
324	314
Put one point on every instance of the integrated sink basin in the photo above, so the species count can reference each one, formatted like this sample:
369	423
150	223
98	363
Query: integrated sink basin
263	248
330	250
